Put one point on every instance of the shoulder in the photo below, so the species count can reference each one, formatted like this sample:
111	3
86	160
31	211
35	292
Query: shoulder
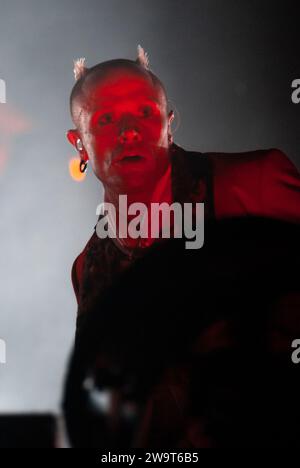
255	159
262	183
239	164
269	160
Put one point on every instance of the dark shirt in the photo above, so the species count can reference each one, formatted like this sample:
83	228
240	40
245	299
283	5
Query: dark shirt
183	410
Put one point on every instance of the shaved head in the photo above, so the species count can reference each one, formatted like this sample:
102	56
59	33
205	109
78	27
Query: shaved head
82	91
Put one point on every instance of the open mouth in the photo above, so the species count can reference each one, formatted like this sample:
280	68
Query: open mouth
130	158
135	157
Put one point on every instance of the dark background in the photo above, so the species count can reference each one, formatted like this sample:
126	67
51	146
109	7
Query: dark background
228	67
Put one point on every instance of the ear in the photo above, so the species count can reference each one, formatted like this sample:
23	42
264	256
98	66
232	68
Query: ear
171	117
72	136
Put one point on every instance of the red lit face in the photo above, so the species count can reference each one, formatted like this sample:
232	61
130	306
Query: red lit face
124	129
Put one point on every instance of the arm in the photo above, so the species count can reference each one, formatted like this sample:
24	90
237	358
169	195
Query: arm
280	187
77	270
75	281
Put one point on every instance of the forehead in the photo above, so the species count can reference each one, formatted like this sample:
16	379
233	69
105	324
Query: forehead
121	86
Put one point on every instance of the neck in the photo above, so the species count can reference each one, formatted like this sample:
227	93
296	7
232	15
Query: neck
160	192
141	196
157	192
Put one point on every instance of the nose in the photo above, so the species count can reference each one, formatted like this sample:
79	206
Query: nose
129	135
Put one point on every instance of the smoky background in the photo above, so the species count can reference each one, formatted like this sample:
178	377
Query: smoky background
228	68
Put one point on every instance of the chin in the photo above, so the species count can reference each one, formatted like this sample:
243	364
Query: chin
133	186
124	185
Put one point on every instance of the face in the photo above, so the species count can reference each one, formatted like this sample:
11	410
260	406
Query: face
124	128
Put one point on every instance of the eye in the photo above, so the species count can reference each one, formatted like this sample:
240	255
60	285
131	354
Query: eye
105	119
146	111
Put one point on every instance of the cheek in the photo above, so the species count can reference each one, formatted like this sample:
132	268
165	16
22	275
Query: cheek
156	129
99	144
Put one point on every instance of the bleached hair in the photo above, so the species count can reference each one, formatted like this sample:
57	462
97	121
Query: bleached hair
142	58
80	68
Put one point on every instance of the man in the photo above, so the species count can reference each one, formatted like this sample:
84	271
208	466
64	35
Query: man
123	128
